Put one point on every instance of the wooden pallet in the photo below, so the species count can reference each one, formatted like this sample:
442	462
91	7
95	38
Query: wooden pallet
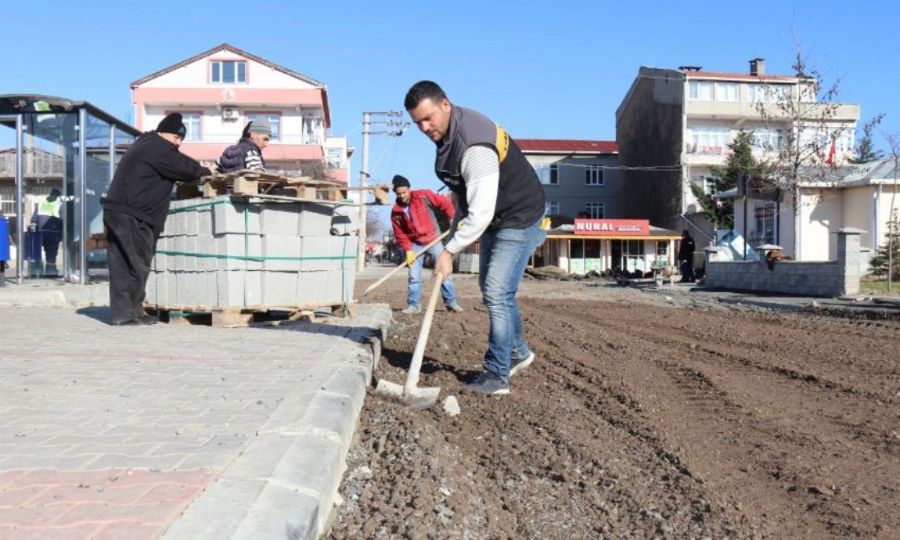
250	183
242	317
253	183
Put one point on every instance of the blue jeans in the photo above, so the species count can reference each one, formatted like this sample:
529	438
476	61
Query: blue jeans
414	294
504	255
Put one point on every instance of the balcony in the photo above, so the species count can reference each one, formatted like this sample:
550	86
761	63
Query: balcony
707	150
34	165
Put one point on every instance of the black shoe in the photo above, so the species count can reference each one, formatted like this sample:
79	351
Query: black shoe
129	322
147	319
489	384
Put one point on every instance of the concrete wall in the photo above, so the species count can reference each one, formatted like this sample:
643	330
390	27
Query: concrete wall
821	215
833	278
649	127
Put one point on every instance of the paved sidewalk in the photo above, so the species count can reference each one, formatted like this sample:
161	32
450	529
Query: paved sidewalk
176	432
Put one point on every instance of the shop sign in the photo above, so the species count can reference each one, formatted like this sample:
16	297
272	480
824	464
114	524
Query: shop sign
613	227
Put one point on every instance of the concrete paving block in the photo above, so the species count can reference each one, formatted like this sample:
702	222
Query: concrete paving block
352	379
238	288
171	288
279	288
231	248
315	219
230	217
314	287
150	289
279	219
190	223
328	252
218	511
281	252
332	413
281	512
204	221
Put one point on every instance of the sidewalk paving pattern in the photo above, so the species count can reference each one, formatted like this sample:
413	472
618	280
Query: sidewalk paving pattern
176	432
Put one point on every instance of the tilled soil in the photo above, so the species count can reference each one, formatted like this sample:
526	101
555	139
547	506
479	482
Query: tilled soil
644	415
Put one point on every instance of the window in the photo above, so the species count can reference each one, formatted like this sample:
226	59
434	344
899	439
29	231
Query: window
763	223
228	71
274	121
548	174
593	210
767	139
551	208
593	176
756	93
710	139
192	123
726	91
701	90
707	183
333	158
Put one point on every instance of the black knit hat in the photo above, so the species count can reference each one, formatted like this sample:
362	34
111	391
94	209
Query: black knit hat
172	124
399	181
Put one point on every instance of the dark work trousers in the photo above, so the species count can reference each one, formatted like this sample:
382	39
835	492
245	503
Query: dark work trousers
50	239
132	243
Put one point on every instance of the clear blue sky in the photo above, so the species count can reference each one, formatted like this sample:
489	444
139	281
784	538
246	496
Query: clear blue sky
542	69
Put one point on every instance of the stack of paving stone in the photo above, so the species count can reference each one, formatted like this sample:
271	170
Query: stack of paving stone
238	253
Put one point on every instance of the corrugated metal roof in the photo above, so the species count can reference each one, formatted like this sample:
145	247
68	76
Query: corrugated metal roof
568	146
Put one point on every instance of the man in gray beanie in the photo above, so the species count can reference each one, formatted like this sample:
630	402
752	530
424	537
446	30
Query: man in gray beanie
247	153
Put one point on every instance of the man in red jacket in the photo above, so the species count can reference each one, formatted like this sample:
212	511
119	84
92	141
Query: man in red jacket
415	226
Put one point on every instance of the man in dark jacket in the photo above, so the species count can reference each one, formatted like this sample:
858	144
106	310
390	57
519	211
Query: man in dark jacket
686	257
135	210
247	153
501	202
415	225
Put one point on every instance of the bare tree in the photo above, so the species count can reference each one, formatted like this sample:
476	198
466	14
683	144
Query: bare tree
894	145
810	123
374	226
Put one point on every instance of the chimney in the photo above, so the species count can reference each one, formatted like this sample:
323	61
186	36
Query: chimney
758	67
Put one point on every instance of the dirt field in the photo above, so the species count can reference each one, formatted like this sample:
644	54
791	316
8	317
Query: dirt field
644	415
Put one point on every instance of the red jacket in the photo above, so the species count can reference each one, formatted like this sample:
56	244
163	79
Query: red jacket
420	226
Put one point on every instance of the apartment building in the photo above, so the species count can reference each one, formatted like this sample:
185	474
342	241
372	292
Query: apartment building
218	91
674	125
580	177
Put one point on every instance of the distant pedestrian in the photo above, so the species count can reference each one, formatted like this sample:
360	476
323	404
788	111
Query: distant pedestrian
135	210
247	153
415	225
47	220
686	257
501	202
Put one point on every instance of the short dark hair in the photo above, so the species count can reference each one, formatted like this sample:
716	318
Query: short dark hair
423	90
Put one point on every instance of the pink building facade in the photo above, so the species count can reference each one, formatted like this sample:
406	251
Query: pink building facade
220	90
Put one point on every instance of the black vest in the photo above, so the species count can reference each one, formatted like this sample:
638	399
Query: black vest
520	196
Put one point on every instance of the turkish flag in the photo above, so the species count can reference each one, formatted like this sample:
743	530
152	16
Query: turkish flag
831	153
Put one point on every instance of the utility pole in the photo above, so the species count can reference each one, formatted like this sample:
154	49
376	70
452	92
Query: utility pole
394	127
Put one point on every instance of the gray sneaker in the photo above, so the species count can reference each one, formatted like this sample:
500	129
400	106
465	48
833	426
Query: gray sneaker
519	365
412	309
455	308
488	384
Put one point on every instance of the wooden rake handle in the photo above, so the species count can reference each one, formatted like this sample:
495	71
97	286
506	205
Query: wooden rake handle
419	253
412	376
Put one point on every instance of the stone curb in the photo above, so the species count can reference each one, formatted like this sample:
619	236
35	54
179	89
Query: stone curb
285	482
59	295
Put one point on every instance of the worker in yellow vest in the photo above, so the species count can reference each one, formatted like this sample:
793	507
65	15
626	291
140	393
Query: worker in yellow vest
48	221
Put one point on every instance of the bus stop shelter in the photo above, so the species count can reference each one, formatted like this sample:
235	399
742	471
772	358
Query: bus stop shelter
71	146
